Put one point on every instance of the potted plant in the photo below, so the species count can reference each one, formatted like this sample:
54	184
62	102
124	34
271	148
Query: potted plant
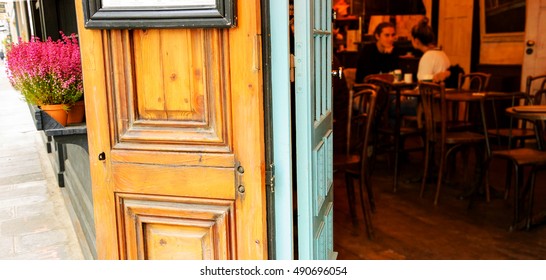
47	73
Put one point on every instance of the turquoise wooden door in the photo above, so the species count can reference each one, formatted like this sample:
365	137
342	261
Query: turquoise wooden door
313	60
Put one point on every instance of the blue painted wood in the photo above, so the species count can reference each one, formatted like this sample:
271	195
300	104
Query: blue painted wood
282	137
313	51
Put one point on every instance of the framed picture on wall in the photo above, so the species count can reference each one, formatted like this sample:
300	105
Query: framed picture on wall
132	14
502	20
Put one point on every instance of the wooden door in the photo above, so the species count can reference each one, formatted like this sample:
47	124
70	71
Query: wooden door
175	127
455	31
534	59
313	56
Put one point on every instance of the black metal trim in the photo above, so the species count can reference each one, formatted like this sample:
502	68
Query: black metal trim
220	15
268	128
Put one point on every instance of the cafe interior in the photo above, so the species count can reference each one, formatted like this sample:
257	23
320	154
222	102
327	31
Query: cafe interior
465	179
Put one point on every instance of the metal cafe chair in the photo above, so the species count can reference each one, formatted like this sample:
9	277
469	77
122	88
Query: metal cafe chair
519	158
474	81
396	134
513	134
355	163
436	133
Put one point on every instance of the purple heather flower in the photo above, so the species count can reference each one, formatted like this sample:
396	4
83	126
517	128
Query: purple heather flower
49	66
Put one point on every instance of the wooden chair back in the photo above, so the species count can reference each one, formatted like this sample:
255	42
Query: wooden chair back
535	85
384	84
362	105
539	98
432	116
355	163
477	81
518	130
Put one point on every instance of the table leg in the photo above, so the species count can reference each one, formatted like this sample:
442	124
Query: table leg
484	124
396	139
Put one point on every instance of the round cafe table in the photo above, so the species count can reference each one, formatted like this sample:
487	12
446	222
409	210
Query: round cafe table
528	112
531	113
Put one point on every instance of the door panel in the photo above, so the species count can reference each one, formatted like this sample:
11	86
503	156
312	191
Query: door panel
174	103
454	36
313	55
175	128
171	180
534	63
158	227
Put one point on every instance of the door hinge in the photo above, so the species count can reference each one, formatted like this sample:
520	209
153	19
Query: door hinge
270	177
292	68
239	185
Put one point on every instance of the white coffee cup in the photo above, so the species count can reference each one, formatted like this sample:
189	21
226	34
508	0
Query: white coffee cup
397	75
408	78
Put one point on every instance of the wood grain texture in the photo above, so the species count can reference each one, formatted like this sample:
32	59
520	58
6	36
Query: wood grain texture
176	113
190	181
161	228
247	105
454	31
170	90
174	158
95	80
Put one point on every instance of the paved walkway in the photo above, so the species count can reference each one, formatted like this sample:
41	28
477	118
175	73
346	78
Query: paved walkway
34	221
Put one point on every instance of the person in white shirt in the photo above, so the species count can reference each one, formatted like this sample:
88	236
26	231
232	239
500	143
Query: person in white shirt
434	64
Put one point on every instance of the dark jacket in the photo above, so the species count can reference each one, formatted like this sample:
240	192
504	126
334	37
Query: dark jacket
371	61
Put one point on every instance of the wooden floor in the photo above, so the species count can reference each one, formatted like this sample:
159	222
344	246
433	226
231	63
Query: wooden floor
409	227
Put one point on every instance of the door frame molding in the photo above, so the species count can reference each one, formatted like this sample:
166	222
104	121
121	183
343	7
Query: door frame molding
268	128
282	222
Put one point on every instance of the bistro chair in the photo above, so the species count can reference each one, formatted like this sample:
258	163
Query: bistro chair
355	163
475	81
517	160
383	129
436	133
517	135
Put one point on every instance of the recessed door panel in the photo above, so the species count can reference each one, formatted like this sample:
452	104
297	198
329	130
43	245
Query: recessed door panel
158	227
171	89
313	55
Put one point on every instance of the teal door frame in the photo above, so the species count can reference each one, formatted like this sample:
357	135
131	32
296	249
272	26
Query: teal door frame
313	90
282	122
314	123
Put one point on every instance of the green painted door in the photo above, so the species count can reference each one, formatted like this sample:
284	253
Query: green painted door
314	138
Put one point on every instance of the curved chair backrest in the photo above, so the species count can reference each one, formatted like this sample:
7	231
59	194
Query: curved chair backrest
429	92
355	108
384	83
362	118
533	87
477	81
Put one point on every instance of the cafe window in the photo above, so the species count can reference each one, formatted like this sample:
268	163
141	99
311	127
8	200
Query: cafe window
502	20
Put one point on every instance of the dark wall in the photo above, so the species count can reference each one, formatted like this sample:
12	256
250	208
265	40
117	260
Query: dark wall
58	15
36	20
503	77
66	11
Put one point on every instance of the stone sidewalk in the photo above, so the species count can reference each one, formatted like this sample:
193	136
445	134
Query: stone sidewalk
34	220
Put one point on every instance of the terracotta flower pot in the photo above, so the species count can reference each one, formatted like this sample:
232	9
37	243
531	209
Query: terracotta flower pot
76	113
57	112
